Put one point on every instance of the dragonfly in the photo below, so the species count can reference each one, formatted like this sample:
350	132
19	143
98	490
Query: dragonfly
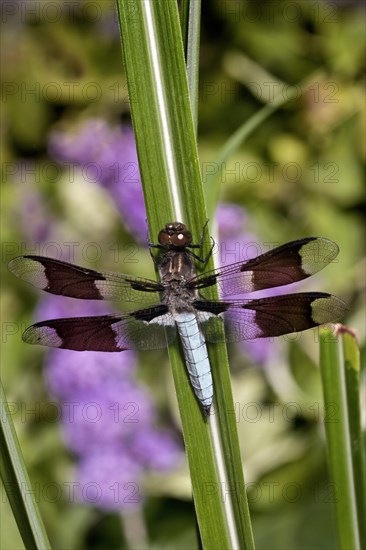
179	303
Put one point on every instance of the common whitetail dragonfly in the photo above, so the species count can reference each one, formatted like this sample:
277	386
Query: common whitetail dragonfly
181	304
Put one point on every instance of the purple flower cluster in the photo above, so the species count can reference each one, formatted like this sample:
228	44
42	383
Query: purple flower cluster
30	214
107	155
108	420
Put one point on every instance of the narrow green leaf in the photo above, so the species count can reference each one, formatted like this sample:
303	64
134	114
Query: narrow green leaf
167	149
338	437
351	354
17	485
212	184
191	42
184	19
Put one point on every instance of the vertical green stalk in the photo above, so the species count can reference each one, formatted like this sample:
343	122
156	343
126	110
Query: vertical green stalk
351	355
190	18
190	24
16	482
340	447
167	149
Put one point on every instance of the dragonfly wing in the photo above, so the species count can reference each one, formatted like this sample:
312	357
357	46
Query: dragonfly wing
275	316
284	265
62	278
144	329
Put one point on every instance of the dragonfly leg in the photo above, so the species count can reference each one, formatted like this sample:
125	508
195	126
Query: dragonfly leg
200	245
159	247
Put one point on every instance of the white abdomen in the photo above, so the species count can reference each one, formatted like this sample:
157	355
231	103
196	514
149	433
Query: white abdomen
196	357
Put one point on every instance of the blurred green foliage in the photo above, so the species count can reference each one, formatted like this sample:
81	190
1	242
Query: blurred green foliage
299	174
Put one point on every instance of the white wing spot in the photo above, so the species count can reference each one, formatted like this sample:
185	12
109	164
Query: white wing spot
29	270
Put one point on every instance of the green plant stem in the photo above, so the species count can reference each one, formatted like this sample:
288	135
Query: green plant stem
338	437
168	159
351	354
192	56
15	478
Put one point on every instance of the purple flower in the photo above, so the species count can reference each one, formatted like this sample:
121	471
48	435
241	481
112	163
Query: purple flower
52	306
231	220
103	408
107	418
236	245
110	479
108	154
34	220
91	143
71	374
105	415
30	213
155	449
107	26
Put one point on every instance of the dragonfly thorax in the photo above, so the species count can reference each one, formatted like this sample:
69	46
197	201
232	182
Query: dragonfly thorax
176	268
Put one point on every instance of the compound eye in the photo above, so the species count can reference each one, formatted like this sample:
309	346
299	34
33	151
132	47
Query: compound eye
175	234
178	239
164	237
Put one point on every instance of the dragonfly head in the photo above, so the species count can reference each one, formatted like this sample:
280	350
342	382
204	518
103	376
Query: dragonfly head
176	235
